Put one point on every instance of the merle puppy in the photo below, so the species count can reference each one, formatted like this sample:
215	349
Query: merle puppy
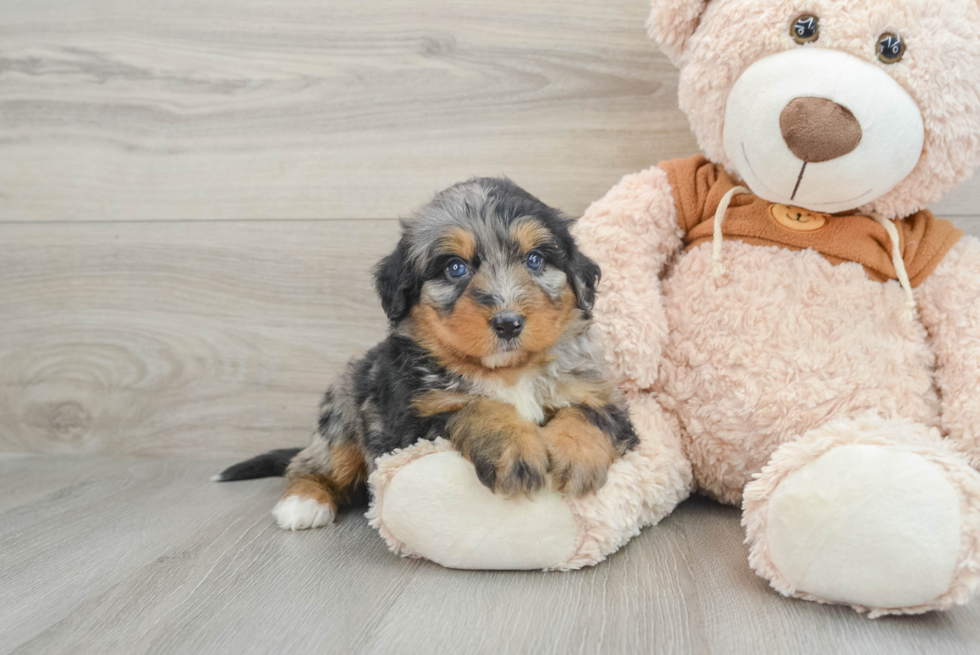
490	303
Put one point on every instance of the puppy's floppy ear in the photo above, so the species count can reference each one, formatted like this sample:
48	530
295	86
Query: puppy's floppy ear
673	22
583	274
398	285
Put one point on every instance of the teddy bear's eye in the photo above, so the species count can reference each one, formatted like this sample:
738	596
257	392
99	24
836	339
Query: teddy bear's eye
805	29
891	48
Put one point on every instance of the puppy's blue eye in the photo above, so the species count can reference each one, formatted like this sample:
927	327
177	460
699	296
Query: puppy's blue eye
534	260
456	268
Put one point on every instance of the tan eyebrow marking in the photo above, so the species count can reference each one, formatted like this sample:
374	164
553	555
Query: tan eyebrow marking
459	242
529	234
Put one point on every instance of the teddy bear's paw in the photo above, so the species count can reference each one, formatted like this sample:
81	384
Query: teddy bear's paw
868	525
436	507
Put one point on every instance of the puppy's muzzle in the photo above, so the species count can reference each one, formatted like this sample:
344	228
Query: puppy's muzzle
507	325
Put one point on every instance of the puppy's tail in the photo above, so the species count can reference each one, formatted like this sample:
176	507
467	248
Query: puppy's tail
266	465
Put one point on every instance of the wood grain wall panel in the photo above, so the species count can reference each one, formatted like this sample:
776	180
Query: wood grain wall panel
969	224
962	202
298	109
190	338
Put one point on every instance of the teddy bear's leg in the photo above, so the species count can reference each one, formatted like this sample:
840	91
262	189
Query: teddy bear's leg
428	502
879	514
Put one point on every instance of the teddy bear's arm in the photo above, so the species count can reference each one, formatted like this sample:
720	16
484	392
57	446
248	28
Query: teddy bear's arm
632	233
949	304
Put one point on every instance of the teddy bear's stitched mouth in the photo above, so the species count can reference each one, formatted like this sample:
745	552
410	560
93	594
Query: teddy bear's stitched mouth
758	178
799	181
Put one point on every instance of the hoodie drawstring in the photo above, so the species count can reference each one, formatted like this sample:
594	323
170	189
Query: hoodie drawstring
718	266
899	263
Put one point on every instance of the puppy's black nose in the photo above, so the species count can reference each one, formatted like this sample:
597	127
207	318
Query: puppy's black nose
507	325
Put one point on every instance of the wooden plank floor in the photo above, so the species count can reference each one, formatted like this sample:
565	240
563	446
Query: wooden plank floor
123	555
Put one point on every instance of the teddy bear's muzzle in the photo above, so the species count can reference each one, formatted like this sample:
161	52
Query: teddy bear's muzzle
821	129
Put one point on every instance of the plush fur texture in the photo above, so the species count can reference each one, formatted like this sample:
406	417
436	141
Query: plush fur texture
949	305
902	436
939	71
783	344
638	243
778	348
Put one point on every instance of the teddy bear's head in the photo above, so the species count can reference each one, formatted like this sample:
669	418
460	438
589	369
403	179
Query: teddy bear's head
831	104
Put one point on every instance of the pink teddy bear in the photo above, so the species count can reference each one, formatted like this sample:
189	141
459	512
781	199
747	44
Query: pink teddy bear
796	333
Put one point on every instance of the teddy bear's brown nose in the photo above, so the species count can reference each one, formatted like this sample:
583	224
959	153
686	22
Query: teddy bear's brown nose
818	129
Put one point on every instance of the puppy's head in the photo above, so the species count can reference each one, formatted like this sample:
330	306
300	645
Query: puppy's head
487	274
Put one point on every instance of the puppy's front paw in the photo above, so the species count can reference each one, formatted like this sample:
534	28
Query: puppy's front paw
579	476
580	455
507	451
299	513
509	462
521	468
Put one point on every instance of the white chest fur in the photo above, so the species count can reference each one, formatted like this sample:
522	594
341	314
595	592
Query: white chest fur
522	395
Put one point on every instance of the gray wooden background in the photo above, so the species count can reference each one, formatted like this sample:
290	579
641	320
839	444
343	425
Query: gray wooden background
192	192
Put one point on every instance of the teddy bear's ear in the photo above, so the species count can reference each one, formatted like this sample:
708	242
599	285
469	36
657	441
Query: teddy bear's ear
672	22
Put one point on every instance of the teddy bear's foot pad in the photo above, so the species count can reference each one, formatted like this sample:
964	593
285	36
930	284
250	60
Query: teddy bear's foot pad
866	525
439	509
